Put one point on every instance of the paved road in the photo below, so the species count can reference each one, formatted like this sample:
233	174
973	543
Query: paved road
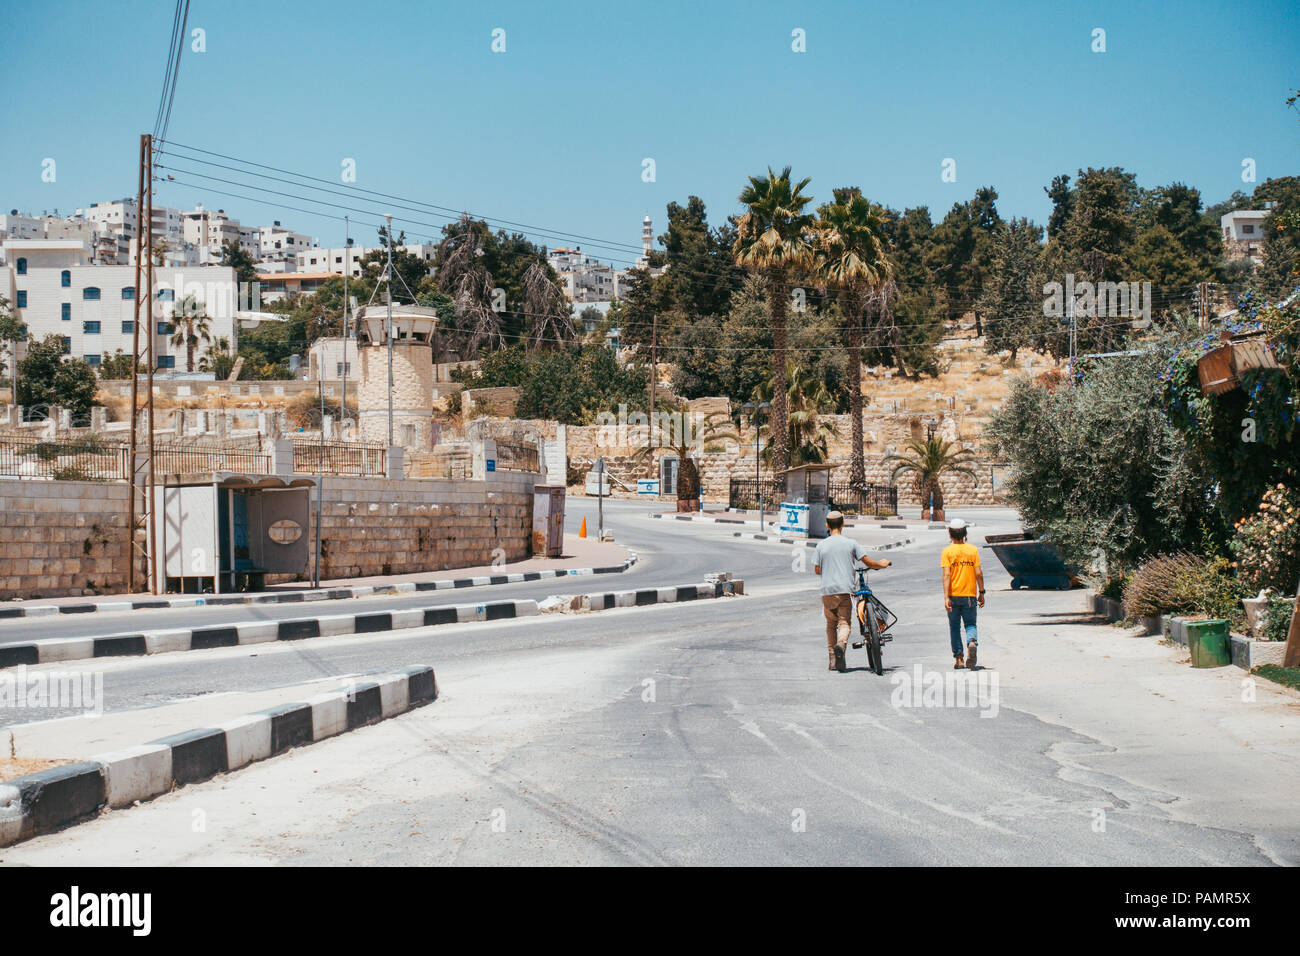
712	733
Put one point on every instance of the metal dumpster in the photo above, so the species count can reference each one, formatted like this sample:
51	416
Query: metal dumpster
1031	561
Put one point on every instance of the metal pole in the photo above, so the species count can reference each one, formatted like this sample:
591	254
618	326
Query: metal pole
600	499
758	487
389	217
343	402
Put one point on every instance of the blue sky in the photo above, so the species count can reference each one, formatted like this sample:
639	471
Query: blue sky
553	132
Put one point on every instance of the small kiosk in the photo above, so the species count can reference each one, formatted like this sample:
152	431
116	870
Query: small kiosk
807	499
225	532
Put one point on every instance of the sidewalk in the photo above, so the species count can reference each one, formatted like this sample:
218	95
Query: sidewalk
1125	695
581	556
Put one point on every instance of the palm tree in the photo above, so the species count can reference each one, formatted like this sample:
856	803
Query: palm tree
928	461
216	357
463	276
678	440
772	240
851	255
191	324
808	434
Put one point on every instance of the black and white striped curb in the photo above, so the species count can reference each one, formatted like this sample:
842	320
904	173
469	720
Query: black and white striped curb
296	597
608	600
847	524
813	542
257	632
45	801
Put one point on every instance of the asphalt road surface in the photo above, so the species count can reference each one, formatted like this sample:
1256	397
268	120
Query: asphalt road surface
712	733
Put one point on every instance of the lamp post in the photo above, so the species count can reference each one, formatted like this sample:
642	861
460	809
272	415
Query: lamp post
752	411
930	428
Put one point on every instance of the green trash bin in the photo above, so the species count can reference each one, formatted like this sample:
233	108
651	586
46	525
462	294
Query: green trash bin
1208	642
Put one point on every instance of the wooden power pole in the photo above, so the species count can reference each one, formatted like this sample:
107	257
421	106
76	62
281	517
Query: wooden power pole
140	470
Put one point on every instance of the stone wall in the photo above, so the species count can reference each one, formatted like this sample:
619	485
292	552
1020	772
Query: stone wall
498	402
62	538
373	527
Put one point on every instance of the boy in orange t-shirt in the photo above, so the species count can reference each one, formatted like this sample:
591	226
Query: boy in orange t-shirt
963	587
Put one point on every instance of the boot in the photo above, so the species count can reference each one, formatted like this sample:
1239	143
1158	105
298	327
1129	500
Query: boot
831	665
839	657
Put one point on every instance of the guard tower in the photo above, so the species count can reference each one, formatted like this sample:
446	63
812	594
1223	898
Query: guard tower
412	393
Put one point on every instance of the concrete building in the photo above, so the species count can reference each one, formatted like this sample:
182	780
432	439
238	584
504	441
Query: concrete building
209	230
1243	233
349	259
326	359
55	288
277	243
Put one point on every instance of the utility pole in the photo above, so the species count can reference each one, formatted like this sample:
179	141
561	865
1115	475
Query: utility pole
1074	330
320	462
654	376
347	267
143	485
389	244
1203	304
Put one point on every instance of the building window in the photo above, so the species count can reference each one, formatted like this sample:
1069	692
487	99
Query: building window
128	293
128	327
67	345
341	367
166	328
89	328
22	298
66	309
1247	229
92	360
22	267
167	361
166	295
90	294
65	279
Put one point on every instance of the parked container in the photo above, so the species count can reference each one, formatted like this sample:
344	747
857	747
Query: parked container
1208	643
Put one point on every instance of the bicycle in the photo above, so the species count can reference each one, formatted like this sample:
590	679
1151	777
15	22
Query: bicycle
874	622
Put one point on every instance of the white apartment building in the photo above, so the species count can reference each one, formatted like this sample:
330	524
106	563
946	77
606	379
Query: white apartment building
54	288
584	278
209	230
123	217
326	356
1243	232
16	226
349	258
277	243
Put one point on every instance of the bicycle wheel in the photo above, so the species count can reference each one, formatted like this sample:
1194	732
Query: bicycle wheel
873	642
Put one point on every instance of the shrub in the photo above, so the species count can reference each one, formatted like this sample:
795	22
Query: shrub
1267	544
1277	619
1184	584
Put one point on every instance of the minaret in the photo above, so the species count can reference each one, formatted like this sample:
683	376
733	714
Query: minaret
647	242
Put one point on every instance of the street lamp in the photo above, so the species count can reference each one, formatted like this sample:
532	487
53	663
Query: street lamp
752	410
930	428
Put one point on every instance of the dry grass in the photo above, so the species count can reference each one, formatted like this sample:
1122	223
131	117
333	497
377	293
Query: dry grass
12	767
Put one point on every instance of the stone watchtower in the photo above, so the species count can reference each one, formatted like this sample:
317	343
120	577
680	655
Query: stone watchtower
412	396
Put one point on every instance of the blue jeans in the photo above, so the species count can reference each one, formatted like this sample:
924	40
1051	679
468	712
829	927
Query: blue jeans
963	611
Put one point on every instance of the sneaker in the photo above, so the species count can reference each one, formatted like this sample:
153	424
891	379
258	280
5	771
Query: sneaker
839	658
958	663
972	649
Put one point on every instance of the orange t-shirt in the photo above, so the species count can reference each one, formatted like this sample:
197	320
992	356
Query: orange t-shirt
964	560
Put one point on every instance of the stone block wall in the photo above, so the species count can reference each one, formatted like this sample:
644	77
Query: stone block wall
62	538
374	527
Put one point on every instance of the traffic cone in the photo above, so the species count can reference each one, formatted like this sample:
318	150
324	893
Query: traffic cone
582	532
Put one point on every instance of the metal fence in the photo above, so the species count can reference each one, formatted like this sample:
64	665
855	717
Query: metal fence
79	459
867	500
742	494
516	456
357	459
864	500
194	461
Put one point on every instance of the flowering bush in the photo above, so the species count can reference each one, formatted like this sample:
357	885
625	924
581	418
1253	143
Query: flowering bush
1267	544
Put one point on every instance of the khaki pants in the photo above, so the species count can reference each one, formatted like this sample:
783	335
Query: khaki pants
838	609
